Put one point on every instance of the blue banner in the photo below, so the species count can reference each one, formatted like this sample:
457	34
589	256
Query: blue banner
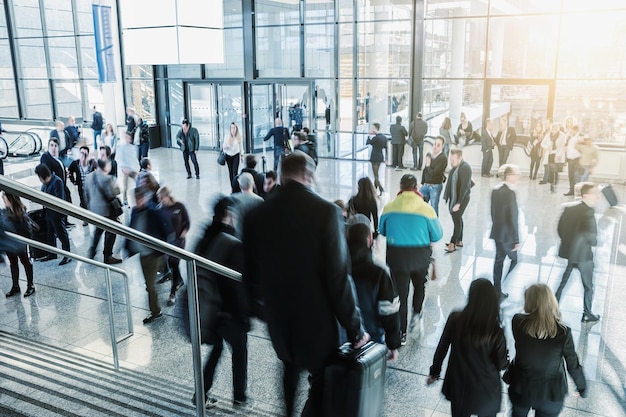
104	43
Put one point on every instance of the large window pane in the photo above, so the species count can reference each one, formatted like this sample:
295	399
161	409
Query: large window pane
522	47
346	10
59	20
93	97
447	8
599	108
523	104
88	57
184	71
233	57
384	49
140	94
324	119
177	108
319	11
33	58
3	23
381	101
451	98
382	10
513	7
37	97
63	57
85	17
232	14
277	12
454	48
278	51
6	65
596	53
320	50
139	71
27	18
68	99
8	99
346	50
586	5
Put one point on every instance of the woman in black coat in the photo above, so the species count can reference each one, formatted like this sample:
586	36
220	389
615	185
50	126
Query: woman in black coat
364	202
537	376
15	219
478	354
379	150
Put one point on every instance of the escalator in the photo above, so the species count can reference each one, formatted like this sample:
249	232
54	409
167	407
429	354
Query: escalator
20	144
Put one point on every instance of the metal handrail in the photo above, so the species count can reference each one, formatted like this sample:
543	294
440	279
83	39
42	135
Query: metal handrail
193	261
33	137
108	269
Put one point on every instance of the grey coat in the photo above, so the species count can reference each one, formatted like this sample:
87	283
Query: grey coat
99	191
398	134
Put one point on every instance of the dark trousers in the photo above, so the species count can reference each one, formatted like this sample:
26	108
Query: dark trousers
56	229
487	162
573	173
314	404
586	275
553	173
15	268
520	407
535	161
194	160
420	147
233	166
398	153
503	249
457	220
503	155
457	412
236	336
278	154
109	241
174	265
142	150
149	267
402	279
375	169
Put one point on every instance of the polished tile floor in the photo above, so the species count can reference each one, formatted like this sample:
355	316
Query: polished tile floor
69	308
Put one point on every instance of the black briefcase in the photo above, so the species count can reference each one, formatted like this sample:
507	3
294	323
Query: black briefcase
354	383
40	233
609	194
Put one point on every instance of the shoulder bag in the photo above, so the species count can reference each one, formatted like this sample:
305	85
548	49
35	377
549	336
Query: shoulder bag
115	205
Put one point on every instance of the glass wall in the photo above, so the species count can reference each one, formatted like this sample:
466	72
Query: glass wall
528	59
54	60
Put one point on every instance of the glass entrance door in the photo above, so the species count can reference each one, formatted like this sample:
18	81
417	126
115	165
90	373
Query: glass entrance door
230	109
261	113
203	113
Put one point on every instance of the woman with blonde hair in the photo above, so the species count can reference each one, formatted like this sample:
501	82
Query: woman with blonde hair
232	147
537	376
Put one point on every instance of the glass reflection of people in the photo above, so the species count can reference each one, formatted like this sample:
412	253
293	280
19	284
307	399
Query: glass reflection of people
477	354
232	147
543	343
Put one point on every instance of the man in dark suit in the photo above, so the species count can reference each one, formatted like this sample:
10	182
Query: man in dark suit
487	145
505	140
578	232
504	229
457	195
304	293
258	177
281	136
53	161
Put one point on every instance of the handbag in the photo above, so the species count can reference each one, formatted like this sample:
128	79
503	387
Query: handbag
221	158
116	207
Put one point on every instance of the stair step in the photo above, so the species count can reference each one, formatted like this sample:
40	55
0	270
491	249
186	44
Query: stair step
44	380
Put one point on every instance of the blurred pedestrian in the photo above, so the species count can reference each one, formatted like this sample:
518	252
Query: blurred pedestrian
15	219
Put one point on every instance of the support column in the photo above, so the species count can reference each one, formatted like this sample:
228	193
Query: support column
457	66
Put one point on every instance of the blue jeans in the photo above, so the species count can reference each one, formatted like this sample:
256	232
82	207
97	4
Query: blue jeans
278	155
96	135
432	192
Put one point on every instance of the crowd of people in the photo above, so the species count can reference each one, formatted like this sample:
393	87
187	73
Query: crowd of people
262	228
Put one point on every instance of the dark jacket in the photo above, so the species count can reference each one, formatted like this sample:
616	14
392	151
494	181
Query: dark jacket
437	170
149	220
511	137
100	190
75	175
378	299
379	144
179	218
221	298
309	149
504	215
56	189
54	165
486	141
97	123
297	265
189	142
578	232
417	131
537	372
69	139
367	208
458	189
472	379
281	136
144	133
259	179
398	134
468	132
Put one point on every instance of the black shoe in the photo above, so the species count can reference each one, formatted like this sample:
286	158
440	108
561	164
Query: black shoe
209	402
569	194
198	176
188	176
68	224
29	291
112	260
85	224
65	261
543	182
242	405
403	340
152	318
590	318
14	290
48	258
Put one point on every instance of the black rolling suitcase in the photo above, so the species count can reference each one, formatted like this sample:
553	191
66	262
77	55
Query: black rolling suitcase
609	194
40	232
354	384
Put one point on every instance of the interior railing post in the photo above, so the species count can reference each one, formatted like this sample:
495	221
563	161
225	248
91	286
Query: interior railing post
194	325
116	360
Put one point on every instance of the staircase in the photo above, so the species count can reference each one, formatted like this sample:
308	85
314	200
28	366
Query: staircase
42	380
